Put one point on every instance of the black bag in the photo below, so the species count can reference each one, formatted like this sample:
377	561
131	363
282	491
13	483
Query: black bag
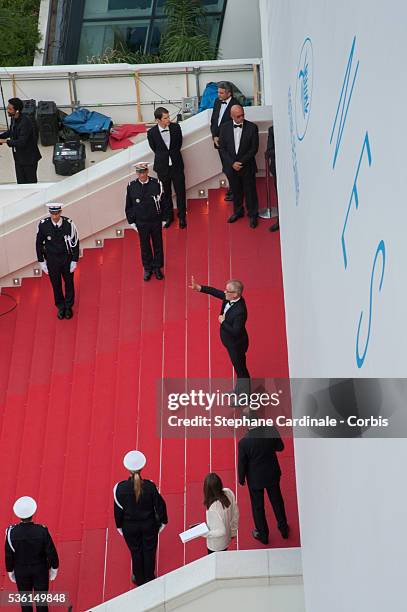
99	140
47	120
69	157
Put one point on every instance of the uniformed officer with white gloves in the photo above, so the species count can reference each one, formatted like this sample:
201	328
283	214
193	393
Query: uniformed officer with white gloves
143	212
57	248
31	556
140	514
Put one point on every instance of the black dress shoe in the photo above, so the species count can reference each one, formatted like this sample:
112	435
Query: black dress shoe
68	313
253	222
228	197
285	532
182	223
168	223
275	227
158	274
147	275
235	217
61	314
258	537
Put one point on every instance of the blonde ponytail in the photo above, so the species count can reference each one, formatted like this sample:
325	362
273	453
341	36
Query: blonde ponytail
138	485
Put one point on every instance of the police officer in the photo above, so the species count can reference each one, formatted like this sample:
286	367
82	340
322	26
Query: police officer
140	514
31	557
57	247
143	212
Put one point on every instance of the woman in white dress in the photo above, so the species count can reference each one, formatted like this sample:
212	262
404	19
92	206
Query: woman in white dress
222	514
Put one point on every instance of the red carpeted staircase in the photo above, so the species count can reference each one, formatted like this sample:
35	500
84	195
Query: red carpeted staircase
76	395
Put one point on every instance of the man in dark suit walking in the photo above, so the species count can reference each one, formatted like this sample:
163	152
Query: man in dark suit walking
22	139
233	334
239	143
258	466
165	139
221	114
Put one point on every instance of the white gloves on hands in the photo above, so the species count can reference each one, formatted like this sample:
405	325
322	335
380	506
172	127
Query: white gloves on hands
44	267
11	576
163	526
53	573
73	266
120	531
134	226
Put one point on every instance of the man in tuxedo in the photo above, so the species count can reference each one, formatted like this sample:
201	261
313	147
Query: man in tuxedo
233	334
258	466
165	139
22	139
221	114
239	143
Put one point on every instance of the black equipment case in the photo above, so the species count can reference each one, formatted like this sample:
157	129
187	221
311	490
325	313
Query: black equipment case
99	140
47	120
69	157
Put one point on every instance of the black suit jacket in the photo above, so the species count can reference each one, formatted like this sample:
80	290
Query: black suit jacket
257	459
232	331
162	154
23	141
249	145
215	128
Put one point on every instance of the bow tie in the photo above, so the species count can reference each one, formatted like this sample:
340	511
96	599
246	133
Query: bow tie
235	125
224	102
164	131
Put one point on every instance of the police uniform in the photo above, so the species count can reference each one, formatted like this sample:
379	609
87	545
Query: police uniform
30	553
140	520
143	208
58	246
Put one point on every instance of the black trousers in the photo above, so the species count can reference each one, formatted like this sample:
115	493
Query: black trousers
176	177
237	356
26	173
58	269
277	502
142	540
32	577
151	244
243	186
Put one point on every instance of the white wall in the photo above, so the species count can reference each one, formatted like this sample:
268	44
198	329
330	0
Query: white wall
240	36
351	501
231	580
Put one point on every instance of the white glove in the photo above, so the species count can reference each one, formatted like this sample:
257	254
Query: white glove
163	526
44	267
73	266
134	226
53	573
163	223
120	531
11	576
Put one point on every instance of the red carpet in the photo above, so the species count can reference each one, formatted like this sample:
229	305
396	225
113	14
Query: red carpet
76	395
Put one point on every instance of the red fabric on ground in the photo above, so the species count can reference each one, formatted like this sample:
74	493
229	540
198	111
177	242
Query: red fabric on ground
119	134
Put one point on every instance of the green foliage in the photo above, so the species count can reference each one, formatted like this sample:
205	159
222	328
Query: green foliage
185	38
19	35
121	54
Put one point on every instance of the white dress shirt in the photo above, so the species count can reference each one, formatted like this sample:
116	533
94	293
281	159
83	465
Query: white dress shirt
222	523
237	133
166	136
229	305
57	224
222	109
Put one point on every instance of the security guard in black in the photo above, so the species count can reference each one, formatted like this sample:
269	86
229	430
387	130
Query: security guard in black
58	245
143	209
30	553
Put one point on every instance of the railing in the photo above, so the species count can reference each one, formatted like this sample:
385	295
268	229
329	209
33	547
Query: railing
127	92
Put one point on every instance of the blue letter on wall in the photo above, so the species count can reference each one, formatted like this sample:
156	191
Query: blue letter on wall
360	358
344	101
